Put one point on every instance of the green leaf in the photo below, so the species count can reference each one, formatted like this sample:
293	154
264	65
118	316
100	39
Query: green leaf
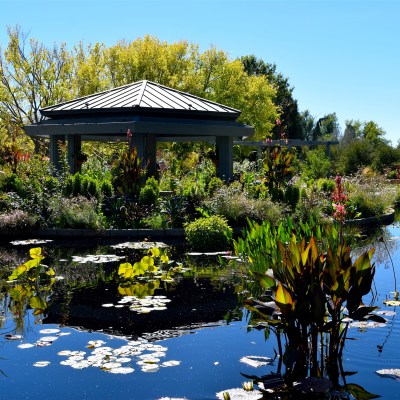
266	281
283	296
359	392
37	303
125	270
155	252
36	252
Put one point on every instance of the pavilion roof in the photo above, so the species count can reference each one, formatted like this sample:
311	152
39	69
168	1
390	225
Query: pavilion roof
138	97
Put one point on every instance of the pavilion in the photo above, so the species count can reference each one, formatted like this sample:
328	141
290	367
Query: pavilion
147	112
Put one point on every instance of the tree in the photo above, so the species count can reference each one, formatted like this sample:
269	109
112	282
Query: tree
286	104
368	130
307	124
32	78
39	77
327	128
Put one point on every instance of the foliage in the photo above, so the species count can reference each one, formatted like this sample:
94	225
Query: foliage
371	196
308	273
289	114
208	234
149	192
173	208
31	269
35	77
17	221
127	173
149	264
316	165
233	204
278	167
355	156
75	212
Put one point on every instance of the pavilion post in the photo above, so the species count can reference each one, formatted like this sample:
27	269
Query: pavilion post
74	153
224	147
151	157
55	158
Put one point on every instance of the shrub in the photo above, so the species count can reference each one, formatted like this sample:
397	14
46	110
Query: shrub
76	212
317	164
371	196
354	156
209	234
17	220
237	207
149	192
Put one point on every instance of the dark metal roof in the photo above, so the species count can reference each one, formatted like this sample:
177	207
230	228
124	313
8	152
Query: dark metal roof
141	96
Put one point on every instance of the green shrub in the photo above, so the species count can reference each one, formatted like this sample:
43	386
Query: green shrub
209	234
17	220
327	186
317	164
354	156
149	192
214	184
76	212
237	207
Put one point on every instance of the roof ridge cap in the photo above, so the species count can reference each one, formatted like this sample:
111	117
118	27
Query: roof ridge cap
141	93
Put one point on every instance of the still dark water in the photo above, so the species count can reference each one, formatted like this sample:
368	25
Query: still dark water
90	345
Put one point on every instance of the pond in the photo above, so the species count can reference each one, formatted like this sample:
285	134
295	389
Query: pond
189	339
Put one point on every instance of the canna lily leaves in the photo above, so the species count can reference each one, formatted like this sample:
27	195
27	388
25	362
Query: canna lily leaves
265	280
37	303
283	296
359	392
283	299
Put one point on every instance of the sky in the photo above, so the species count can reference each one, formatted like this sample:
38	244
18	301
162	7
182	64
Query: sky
340	56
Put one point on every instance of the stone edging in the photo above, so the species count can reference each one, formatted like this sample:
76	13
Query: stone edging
385	219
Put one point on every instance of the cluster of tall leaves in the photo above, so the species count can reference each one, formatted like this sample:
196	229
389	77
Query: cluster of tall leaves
308	277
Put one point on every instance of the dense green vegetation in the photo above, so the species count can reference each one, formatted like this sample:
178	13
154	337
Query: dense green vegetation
114	191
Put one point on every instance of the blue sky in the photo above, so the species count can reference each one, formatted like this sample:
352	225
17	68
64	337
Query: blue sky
341	56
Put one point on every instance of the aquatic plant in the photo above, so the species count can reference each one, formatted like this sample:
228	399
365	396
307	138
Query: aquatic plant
310	283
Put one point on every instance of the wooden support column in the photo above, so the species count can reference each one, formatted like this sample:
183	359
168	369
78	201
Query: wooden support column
74	151
224	149
151	161
138	141
55	158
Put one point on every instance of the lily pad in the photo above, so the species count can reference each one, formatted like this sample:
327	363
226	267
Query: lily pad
256	361
393	373
240	394
41	364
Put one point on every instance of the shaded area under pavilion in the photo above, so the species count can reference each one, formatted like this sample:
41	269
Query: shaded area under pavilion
149	112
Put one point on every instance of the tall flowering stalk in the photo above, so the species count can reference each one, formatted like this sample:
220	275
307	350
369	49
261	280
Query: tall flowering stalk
339	204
